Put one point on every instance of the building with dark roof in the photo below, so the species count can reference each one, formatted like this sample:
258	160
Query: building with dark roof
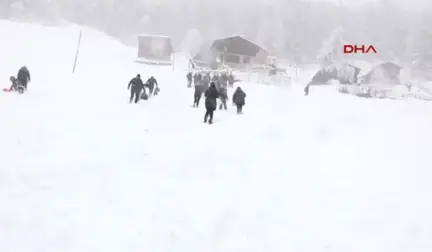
235	51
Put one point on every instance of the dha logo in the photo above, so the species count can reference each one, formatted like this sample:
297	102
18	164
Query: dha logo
355	49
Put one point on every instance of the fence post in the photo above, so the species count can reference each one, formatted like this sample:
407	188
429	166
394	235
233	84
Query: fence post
173	61
77	52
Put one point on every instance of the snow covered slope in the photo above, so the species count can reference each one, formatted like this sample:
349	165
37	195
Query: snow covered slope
83	170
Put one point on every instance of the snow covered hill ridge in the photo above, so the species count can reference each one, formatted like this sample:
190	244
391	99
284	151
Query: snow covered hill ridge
26	43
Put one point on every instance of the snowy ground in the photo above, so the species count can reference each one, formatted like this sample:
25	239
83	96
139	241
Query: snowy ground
83	170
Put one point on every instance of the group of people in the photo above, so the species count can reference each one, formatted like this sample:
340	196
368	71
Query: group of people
202	82
213	90
20	82
138	88
211	96
205	77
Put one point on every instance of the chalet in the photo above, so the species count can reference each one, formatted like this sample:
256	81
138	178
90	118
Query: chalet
235	52
384	73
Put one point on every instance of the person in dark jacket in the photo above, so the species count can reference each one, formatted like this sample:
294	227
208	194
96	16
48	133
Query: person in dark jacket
199	90
231	80
156	91
239	99
16	85
151	84
223	92
136	85
225	78
206	81
23	76
211	95
215	78
306	89
197	78
189	79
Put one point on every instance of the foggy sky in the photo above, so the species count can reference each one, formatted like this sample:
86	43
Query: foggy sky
408	4
287	27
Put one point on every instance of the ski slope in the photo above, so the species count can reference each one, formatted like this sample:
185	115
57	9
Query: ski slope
81	169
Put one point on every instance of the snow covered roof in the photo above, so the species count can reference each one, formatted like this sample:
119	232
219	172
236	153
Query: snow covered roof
365	66
242	37
237	45
154	36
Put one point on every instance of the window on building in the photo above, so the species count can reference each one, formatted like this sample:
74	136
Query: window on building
232	58
246	60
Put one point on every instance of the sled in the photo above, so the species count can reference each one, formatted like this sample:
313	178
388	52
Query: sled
19	91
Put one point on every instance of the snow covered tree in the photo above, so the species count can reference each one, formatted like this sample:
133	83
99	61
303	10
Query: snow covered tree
192	42
265	30
331	48
17	9
419	51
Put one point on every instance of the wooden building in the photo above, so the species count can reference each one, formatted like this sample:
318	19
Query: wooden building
235	51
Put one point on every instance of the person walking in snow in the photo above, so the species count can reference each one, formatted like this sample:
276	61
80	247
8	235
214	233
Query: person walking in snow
239	99
197	78
306	89
211	95
214	78
409	86
223	92
199	90
151	84
206	81
231	80
136	85
189	79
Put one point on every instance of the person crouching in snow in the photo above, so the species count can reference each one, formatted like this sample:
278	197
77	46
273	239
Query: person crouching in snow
151	84
239	99
211	95
16	85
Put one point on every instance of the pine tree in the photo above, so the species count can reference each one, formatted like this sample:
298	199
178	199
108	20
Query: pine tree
192	42
331	49
420	47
